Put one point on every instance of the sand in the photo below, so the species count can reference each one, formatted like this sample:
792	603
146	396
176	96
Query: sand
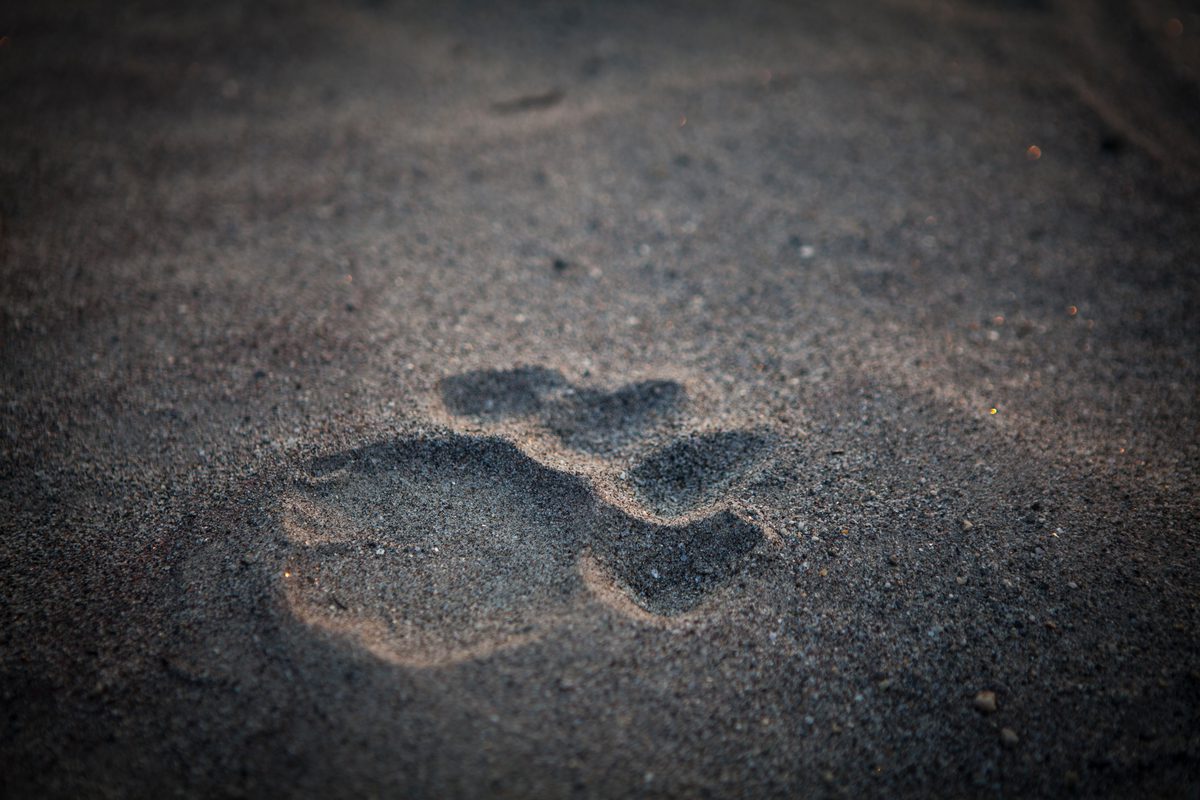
606	400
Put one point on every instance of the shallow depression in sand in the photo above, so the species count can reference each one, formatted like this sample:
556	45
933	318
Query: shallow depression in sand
583	418
434	550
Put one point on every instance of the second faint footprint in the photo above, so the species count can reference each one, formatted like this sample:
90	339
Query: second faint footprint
582	418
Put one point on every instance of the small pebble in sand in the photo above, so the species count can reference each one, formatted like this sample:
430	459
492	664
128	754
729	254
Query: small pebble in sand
1008	737
967	524
985	701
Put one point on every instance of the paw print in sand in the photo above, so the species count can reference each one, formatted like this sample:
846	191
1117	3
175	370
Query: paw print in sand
433	550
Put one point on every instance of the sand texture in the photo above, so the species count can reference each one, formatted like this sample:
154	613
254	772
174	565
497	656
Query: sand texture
600	400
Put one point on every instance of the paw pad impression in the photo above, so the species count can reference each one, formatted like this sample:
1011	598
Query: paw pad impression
431	550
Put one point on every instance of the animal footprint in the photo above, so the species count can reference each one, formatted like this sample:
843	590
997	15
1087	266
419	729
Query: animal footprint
429	551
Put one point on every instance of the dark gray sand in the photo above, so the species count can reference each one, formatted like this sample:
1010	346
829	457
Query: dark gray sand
600	400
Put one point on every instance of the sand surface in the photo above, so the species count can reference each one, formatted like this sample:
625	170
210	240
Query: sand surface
600	400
